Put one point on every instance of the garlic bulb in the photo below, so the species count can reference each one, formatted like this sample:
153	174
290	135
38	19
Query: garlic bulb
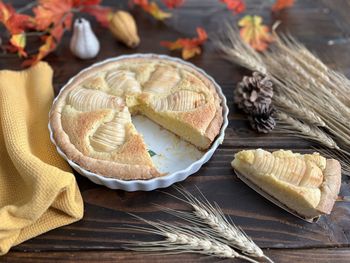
123	27
84	43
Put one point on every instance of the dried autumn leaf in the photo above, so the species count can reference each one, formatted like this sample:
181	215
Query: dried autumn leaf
53	12
190	47
153	9
14	23
101	13
18	41
254	32
282	4
173	3
45	49
236	6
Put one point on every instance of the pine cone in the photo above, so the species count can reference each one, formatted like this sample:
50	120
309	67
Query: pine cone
261	119
253	91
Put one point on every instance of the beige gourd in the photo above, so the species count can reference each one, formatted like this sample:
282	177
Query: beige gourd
84	43
123	27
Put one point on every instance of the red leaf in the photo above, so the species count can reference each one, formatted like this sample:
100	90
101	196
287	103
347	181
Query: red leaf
173	3
53	12
190	46
282	4
236	6
14	23
102	14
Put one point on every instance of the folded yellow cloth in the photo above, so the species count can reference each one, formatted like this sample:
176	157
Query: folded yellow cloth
38	191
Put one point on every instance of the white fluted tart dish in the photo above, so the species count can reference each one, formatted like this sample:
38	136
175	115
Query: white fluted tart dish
108	118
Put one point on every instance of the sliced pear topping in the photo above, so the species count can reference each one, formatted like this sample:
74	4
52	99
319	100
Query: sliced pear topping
111	135
162	80
183	100
122	82
90	100
291	169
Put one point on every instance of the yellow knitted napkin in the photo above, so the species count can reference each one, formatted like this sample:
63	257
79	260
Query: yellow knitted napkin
38	191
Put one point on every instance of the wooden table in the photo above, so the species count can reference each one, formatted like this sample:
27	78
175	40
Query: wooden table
283	237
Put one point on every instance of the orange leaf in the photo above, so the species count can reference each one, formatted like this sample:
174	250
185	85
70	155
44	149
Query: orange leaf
282	4
53	12
173	3
236	6
153	9
254	33
18	41
190	46
44	50
14	23
102	14
188	53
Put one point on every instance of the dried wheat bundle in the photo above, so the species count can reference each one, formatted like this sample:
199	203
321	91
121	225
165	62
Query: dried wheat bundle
297	110
221	227
309	93
182	239
293	126
209	232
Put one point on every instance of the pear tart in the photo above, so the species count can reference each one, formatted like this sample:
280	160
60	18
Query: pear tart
91	118
307	185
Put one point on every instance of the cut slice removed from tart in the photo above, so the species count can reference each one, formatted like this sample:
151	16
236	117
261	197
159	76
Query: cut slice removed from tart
306	185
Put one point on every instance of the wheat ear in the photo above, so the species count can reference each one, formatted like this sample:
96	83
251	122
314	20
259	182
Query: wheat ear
182	239
303	130
238	51
297	110
222	227
342	157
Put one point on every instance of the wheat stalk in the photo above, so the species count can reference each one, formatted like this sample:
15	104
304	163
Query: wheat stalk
223	228
297	110
338	82
303	130
182	239
242	53
322	94
342	157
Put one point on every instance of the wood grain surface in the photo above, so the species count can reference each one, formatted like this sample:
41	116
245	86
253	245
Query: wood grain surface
323	26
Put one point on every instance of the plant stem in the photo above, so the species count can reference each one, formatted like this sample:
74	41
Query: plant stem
27	6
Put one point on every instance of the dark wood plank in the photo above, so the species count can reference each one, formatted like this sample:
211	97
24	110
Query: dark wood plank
315	23
339	255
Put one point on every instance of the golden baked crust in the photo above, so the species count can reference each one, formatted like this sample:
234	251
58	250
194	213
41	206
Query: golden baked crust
91	120
307	184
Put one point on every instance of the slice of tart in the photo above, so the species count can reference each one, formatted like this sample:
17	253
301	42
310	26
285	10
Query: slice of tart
307	185
91	118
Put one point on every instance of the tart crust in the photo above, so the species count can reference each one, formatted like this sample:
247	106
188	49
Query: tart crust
132	161
315	198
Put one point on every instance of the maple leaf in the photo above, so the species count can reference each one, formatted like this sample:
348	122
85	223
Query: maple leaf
236	6
45	49
190	46
282	4
153	9
18	42
53	12
254	32
102	14
173	3
14	23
